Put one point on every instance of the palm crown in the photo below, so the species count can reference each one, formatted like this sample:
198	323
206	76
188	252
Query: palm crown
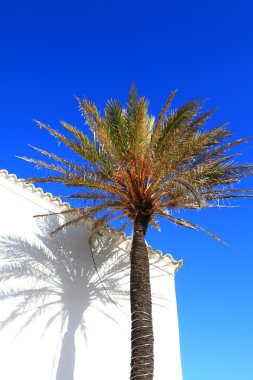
139	164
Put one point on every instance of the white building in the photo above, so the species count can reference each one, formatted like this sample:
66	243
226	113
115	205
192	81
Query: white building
65	311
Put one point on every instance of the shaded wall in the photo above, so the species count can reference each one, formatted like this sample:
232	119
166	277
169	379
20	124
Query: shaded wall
65	312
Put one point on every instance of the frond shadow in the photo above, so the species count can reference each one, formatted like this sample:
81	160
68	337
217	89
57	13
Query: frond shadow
59	278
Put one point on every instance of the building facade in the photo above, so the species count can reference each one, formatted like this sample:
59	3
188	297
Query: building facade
65	310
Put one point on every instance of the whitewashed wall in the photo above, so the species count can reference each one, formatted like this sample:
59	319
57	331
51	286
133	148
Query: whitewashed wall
62	318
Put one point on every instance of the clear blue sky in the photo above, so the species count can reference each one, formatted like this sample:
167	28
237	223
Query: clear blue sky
54	50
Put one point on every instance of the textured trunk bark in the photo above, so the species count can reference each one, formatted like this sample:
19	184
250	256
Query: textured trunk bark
142	340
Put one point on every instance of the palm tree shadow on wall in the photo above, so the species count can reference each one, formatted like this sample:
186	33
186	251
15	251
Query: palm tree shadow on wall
66	278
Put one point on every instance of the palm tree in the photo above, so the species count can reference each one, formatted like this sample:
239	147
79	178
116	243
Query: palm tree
138	170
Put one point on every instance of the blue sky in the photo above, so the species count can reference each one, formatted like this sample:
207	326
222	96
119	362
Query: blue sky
54	50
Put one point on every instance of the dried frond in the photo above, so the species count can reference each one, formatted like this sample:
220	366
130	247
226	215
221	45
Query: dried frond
70	211
155	224
185	223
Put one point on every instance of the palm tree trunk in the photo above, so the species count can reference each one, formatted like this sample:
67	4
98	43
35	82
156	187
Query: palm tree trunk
142	340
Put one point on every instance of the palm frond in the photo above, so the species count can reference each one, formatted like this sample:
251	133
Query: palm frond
39	163
190	188
71	222
162	116
177	122
88	152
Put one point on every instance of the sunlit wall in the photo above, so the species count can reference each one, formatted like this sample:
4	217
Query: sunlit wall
65	312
